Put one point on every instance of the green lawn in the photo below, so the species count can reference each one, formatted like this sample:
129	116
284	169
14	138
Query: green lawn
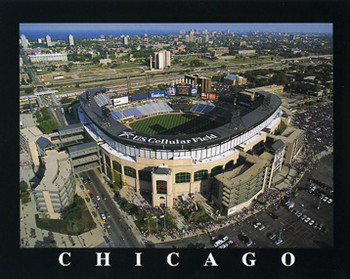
173	124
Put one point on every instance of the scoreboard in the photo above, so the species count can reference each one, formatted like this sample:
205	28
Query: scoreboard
183	90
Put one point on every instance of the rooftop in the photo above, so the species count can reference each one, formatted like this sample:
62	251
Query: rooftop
57	169
82	147
70	127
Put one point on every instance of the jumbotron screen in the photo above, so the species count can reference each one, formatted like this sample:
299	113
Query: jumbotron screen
183	90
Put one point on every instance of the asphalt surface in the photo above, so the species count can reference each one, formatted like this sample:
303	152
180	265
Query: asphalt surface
294	231
119	235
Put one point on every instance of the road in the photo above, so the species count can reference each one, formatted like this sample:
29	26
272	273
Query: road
120	236
30	70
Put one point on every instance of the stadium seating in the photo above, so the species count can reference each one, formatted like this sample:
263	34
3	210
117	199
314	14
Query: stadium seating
136	112
146	109
102	99
207	109
202	108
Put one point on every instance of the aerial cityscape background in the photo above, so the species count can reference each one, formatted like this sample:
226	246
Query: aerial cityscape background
89	30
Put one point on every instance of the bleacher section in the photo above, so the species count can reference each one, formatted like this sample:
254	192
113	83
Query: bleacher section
102	99
142	110
202	108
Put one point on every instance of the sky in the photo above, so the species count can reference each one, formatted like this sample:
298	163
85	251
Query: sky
154	27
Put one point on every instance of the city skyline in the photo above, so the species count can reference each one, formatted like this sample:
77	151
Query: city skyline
154	28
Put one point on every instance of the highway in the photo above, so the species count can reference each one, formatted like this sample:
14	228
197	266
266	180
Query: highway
120	236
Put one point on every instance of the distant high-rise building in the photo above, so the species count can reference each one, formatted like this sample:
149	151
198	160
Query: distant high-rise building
162	59
24	41
206	38
125	40
39	41
71	40
228	31
205	31
48	41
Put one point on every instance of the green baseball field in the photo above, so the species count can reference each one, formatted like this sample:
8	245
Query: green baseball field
174	124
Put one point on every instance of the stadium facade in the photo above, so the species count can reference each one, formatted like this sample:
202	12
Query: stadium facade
169	166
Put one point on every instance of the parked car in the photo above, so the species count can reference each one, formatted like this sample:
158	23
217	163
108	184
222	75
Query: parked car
103	217
277	241
249	242
98	198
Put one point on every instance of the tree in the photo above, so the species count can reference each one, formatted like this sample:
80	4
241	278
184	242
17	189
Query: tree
23	186
51	245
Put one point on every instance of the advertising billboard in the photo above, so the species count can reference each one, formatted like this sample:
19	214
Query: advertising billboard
183	90
212	96
194	92
139	97
120	101
172	91
204	95
160	94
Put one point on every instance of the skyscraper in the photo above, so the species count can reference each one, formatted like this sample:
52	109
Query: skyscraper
24	41
162	59
125	40
71	40
48	41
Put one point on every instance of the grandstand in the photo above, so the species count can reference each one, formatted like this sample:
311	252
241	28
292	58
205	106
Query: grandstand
102	99
202	108
142	110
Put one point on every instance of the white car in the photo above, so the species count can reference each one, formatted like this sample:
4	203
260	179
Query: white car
103	216
249	242
329	201
261	227
325	199
311	222
278	241
256	225
98	198
307	219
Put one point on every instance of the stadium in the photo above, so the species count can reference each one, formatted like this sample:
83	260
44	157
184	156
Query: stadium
176	143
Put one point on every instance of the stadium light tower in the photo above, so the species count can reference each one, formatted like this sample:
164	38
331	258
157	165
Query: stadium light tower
128	83
147	82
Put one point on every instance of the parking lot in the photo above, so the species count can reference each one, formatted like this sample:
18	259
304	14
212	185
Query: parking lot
295	233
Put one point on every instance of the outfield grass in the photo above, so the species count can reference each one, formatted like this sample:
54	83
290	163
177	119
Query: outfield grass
174	124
